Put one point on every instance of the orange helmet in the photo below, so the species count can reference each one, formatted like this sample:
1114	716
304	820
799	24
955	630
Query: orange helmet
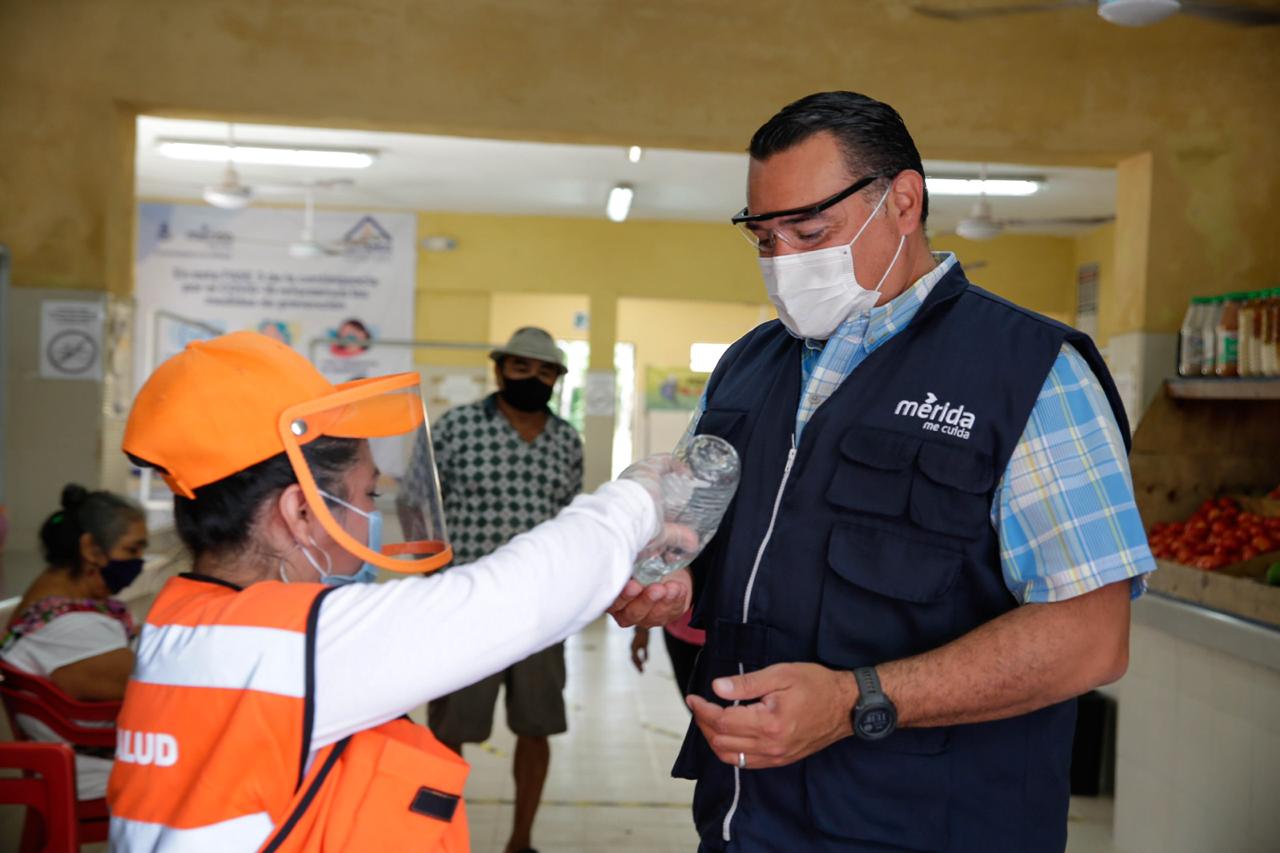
223	405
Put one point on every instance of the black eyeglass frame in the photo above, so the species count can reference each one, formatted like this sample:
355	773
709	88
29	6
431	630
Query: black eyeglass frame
808	210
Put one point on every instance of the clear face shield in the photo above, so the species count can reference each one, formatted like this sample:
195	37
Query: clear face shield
363	458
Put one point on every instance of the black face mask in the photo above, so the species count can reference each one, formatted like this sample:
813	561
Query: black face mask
118	574
526	395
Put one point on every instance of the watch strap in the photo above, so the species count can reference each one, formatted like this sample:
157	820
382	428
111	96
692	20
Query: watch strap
868	685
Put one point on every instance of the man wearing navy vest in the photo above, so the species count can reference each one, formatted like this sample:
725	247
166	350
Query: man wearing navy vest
934	544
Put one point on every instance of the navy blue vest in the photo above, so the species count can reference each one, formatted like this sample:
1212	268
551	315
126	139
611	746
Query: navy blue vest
882	548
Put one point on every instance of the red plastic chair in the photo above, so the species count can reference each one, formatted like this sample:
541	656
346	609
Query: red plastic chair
48	789
41	699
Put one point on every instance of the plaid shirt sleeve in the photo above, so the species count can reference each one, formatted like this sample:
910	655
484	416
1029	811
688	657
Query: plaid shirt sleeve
1064	509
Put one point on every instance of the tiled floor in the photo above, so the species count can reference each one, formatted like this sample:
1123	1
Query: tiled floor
610	787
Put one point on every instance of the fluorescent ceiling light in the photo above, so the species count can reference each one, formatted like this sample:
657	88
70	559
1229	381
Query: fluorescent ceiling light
266	155
1137	13
619	204
703	358
635	153
975	186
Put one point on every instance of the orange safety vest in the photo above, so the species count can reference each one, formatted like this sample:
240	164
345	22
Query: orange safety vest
215	735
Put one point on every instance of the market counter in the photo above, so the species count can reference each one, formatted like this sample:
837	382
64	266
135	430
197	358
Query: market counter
1198	742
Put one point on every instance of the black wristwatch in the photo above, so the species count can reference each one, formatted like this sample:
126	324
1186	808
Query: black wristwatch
874	717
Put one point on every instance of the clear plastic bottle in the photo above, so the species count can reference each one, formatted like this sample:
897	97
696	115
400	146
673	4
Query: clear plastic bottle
1247	354
1191	342
1228	335
710	482
1209	335
1271	334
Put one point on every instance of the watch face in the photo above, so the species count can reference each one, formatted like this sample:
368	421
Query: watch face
875	721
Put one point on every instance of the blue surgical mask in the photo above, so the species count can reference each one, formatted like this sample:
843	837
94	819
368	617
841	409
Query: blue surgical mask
368	572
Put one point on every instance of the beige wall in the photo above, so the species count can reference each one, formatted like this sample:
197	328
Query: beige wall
1061	88
1036	271
550	311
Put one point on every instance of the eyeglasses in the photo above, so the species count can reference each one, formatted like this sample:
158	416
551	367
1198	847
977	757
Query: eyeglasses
806	227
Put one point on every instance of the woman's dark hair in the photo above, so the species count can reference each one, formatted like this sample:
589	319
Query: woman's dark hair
872	135
103	515
221	518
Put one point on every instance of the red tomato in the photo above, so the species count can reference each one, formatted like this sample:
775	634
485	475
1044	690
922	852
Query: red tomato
1263	544
1249	553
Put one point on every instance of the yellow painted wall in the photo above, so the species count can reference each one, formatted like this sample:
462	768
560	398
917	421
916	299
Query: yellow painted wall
551	311
456	317
664	329
1035	271
543	254
1098	246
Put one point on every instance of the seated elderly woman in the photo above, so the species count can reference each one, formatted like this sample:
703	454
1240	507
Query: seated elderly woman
68	628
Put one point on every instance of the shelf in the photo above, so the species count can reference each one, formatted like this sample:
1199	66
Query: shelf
1248	388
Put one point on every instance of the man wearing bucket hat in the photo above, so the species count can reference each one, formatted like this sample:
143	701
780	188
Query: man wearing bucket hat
266	709
507	463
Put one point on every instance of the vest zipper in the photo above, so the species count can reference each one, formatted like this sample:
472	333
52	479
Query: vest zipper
746	607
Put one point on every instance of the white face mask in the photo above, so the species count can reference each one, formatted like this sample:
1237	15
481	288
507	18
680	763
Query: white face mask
816	291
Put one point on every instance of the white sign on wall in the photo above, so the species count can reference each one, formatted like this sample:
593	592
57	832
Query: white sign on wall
203	271
229	270
71	339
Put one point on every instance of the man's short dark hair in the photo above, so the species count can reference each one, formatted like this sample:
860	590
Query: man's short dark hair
872	135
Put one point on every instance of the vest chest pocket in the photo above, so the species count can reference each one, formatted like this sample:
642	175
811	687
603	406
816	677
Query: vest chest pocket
873	473
952	494
886	596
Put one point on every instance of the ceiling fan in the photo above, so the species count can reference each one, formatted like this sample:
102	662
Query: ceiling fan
981	223
1127	13
307	246
232	192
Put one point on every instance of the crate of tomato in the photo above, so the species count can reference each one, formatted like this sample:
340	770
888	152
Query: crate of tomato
1225	556
1220	534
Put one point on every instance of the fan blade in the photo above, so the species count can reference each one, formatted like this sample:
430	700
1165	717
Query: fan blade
1057	221
1241	16
996	11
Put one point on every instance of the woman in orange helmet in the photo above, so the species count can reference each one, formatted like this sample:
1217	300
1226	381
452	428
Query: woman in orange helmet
266	710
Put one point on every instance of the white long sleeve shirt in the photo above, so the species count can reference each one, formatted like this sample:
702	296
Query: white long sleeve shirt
384	649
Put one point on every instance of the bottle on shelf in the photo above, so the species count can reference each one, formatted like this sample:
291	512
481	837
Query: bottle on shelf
1245	339
1259	355
1228	337
1209	335
1271	334
1191	339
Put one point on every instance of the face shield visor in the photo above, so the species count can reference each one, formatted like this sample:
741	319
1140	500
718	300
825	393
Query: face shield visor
363	458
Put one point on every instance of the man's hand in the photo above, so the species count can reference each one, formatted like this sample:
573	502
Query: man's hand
655	605
640	649
803	708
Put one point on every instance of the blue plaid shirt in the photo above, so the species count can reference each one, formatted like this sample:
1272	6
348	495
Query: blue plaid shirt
1064	509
